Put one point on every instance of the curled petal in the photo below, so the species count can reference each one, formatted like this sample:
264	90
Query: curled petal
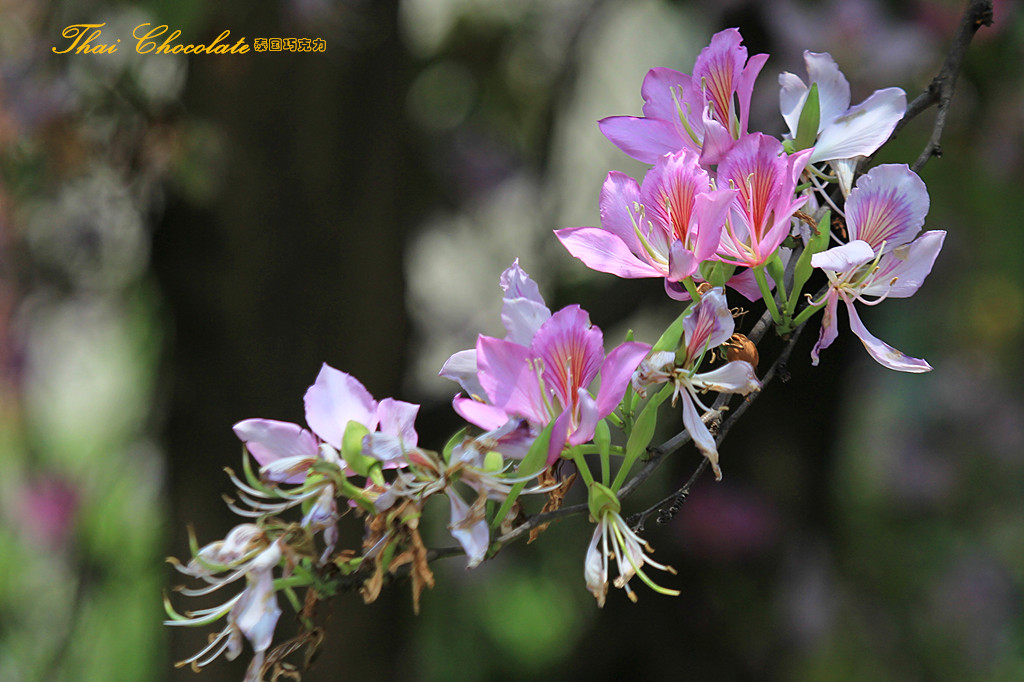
708	324
829	328
523	309
702	437
461	367
883	353
269	441
588	416
470	532
737	376
595	567
844	258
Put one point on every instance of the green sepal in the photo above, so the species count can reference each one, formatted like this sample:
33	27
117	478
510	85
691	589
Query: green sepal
603	438
716	273
446	453
601	499
776	270
816	244
532	464
352	448
603	441
810	117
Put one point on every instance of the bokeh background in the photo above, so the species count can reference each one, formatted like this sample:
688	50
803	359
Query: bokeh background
184	240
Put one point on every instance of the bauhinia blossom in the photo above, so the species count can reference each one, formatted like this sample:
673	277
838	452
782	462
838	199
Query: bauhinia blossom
766	179
707	325
252	613
545	379
665	227
883	259
613	538
286	451
705	113
844	133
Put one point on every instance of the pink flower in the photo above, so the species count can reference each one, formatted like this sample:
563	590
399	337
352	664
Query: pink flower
766	179
286	451
844	132
705	112
665	228
541	373
884	213
707	325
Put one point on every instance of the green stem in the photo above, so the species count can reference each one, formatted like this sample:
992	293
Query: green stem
582	467
766	293
805	315
692	289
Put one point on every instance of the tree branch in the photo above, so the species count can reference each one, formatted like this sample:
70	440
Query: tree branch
940	90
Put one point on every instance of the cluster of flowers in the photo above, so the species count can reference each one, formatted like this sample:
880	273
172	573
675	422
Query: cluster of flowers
721	207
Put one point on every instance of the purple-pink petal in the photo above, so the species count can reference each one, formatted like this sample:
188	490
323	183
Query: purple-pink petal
908	265
335	399
657	92
571	350
708	324
889	205
461	367
644	139
829	327
619	194
397	418
487	417
587	417
616	372
509	377
605	252
883	353
269	440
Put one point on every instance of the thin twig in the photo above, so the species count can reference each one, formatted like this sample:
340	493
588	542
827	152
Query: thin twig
940	90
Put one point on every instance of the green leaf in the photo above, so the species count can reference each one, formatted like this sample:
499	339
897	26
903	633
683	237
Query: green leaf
810	117
533	463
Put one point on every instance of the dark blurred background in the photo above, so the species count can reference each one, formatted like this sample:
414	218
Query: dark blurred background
184	240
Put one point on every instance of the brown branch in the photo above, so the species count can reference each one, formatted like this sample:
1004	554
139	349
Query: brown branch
940	90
